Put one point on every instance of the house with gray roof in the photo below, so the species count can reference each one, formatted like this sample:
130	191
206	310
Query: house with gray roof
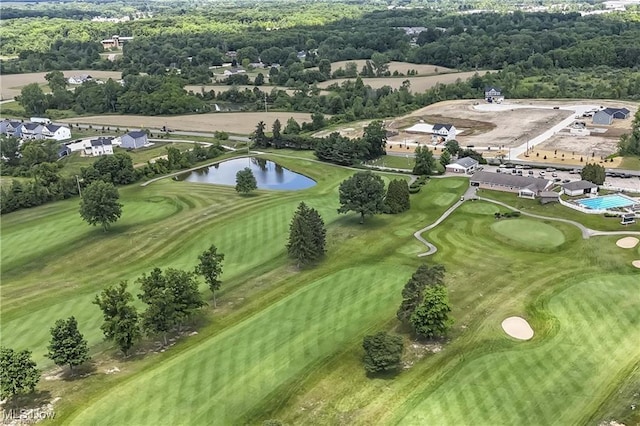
443	132
11	128
100	146
607	115
466	165
579	187
134	140
493	94
53	131
32	131
524	186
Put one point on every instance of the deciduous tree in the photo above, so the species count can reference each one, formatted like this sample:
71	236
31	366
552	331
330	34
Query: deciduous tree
425	163
99	204
32	99
121	321
210	267
245	181
431	317
413	291
362	193
382	352
375	138
445	158
18	373
594	173
68	346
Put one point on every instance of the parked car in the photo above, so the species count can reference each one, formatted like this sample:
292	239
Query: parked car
541	173
557	179
566	181
554	174
551	169
530	172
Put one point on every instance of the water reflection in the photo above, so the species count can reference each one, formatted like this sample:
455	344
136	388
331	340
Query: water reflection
269	175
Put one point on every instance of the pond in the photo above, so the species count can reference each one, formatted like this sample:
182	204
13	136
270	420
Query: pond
269	175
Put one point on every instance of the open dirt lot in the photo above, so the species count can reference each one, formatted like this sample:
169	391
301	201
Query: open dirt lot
232	122
401	67
493	129
418	84
11	84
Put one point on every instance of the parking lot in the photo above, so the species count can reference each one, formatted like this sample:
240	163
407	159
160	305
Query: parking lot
630	184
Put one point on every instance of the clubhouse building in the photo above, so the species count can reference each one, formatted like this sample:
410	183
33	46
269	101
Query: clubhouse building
524	186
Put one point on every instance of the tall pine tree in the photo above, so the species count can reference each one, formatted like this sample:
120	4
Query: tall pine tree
307	235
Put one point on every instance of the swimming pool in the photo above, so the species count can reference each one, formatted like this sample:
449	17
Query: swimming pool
607	202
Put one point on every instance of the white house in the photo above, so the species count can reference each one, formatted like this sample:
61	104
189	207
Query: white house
493	94
100	146
59	133
134	140
32	131
79	79
443	132
466	165
580	187
234	71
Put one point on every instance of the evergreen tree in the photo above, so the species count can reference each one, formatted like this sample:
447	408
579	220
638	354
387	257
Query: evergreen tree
382	352
292	127
413	291
18	373
121	320
397	198
276	132
260	140
431	318
594	173
307	235
210	267
67	346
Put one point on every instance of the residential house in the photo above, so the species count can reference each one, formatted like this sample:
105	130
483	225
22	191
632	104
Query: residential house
524	186
79	79
53	131
443	133
134	140
100	146
580	187
32	131
234	71
606	116
466	165
11	128
302	55
493	94
115	41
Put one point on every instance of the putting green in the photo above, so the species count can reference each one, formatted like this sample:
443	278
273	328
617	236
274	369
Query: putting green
479	207
529	233
521	386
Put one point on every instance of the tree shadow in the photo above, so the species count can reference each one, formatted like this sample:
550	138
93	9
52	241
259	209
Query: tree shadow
80	372
385	375
29	401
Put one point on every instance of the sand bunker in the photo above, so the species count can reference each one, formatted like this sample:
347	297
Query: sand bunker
518	328
636	263
627	242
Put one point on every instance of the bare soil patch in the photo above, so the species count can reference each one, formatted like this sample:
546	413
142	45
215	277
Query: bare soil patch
401	67
233	122
627	242
418	84
11	84
518	328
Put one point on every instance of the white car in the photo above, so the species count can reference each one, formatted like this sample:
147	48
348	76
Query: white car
541	173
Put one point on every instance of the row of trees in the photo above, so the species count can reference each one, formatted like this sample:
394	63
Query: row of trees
630	143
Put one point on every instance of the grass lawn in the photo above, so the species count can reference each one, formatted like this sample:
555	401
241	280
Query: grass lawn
630	163
395	161
286	344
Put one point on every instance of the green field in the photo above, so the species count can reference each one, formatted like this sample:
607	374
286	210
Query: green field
286	344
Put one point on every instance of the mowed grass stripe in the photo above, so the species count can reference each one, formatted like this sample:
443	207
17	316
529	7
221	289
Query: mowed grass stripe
258	368
568	384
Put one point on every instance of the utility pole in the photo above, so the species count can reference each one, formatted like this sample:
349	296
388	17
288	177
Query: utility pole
265	103
78	183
